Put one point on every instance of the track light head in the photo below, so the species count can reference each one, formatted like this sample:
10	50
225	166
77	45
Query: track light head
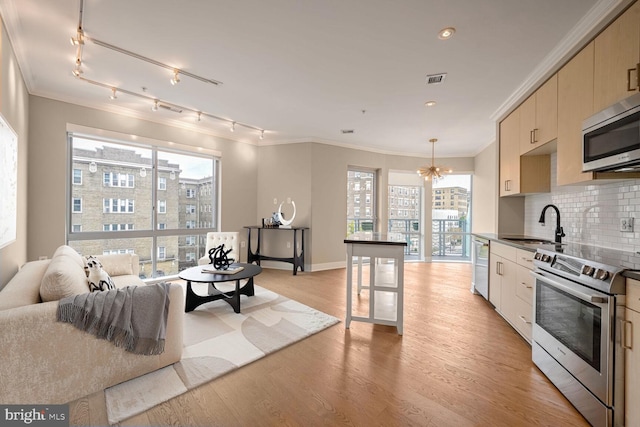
262	134
78	39
155	106
233	127
199	116
113	94
176	78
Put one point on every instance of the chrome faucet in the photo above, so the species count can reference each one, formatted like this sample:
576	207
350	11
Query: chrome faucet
559	231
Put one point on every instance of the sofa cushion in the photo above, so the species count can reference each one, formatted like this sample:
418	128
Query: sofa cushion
65	276
117	264
24	288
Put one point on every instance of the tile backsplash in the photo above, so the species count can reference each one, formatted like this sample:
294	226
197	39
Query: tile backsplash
590	214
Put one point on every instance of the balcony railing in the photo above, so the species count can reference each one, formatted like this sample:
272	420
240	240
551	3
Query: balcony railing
450	240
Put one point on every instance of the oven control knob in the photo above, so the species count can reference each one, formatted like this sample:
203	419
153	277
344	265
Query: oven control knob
545	258
588	270
538	255
601	274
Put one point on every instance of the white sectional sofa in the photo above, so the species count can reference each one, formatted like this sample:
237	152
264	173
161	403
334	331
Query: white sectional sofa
43	361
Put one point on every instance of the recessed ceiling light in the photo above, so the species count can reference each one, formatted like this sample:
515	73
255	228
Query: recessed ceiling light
446	33
430	103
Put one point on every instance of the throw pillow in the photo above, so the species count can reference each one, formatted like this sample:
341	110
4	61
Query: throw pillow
64	277
98	279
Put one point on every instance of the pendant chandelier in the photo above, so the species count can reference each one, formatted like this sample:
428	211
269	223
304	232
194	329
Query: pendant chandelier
433	172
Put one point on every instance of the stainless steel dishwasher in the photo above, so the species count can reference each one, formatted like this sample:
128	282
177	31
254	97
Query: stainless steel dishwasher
480	280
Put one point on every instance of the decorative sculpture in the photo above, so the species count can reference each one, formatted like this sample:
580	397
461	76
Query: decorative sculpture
219	257
283	222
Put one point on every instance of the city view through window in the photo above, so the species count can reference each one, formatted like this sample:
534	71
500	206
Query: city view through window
450	203
156	203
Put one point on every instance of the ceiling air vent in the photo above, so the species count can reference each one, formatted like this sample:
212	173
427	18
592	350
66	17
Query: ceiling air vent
434	79
345	131
170	108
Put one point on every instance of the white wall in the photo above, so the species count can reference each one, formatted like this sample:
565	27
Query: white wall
14	106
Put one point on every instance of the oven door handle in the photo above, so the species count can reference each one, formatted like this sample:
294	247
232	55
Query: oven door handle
596	299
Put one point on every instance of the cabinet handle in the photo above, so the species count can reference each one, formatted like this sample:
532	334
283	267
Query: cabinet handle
533	137
629	71
526	259
526	286
524	320
627	343
507	185
531	141
499	268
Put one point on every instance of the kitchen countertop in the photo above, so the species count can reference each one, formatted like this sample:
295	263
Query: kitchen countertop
627	260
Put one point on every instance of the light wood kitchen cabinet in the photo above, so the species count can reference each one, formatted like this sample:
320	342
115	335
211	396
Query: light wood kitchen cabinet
520	174
617	59
502	275
510	155
632	354
511	286
575	103
539	117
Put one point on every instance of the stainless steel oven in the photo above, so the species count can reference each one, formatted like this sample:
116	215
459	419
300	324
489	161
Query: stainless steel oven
578	310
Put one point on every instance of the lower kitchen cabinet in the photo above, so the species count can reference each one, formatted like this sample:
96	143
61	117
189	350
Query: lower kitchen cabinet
632	354
511	286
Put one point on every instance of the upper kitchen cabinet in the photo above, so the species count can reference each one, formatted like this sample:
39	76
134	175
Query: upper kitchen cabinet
539	117
617	60
575	103
520	175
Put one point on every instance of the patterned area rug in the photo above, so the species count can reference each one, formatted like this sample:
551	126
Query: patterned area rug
217	341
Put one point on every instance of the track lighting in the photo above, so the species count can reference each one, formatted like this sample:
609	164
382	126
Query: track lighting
176	78
233	127
78	39
262	134
155	106
113	93
199	116
77	71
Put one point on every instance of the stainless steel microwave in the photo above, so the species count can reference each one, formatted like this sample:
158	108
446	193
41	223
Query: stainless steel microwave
611	138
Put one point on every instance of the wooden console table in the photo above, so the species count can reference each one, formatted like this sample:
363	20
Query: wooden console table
297	259
386	281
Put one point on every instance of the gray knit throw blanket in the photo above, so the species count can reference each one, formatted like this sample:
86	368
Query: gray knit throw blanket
134	317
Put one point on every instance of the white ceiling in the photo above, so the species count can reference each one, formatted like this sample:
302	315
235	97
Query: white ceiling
304	69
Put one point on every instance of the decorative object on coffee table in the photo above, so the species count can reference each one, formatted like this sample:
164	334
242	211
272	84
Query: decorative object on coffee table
219	257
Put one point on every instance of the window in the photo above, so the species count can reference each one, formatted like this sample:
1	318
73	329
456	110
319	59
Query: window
115	179
117	206
77	205
359	180
191	240
77	177
128	171
191	209
118	251
190	256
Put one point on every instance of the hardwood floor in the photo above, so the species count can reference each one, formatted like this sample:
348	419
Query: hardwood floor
457	364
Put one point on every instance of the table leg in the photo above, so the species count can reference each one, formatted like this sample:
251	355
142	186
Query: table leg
349	284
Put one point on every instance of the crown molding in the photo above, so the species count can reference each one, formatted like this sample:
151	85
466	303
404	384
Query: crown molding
598	17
